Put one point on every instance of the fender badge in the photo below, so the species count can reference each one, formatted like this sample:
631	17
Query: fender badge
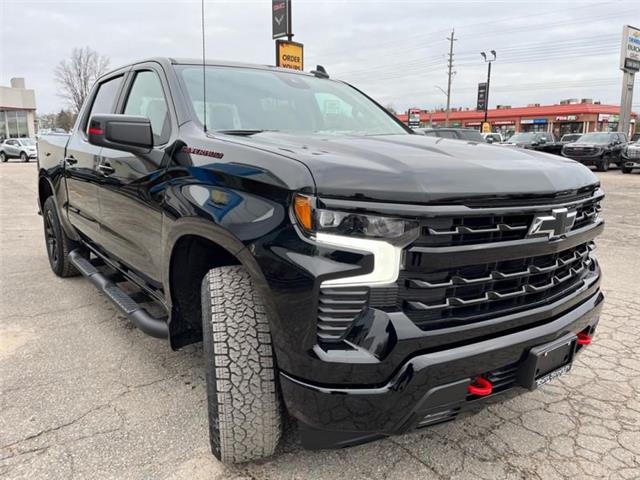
203	152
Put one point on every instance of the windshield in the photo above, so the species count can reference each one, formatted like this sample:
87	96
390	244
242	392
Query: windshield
595	138
27	141
250	99
524	137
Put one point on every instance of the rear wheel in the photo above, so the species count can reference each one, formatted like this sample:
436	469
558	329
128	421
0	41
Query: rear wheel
57	242
243	395
3	157
626	170
24	157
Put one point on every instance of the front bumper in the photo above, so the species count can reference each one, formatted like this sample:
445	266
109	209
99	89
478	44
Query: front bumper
428	388
585	159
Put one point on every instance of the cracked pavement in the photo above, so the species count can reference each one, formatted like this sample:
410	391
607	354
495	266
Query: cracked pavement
86	395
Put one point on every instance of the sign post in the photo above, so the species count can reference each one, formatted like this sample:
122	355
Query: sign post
629	64
281	19
413	118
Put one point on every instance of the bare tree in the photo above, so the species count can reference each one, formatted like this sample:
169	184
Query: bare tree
77	74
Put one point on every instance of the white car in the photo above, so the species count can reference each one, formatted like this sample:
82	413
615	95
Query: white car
23	148
493	137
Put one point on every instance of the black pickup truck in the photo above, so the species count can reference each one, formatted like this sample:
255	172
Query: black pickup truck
339	268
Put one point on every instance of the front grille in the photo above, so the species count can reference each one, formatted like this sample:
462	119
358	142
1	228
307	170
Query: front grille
633	152
581	151
337	309
465	268
440	298
453	231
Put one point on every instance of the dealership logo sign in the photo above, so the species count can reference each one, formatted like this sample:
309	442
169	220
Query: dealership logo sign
630	51
554	225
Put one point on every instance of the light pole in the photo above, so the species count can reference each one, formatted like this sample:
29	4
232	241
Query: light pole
489	61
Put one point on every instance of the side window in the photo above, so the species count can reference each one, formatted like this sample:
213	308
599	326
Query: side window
146	99
447	134
105	99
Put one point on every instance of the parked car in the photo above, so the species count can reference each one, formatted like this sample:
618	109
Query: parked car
631	157
570	138
335	264
467	134
23	148
541	141
599	149
492	137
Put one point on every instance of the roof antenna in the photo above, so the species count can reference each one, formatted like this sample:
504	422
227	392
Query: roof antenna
204	77
320	72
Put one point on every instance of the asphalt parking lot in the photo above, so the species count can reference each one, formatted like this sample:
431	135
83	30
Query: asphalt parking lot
86	395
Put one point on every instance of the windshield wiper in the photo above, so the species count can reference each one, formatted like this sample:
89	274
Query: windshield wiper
243	132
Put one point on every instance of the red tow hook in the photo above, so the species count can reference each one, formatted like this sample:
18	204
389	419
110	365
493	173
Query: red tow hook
482	387
584	339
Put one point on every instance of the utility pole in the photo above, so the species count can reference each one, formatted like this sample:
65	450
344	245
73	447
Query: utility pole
451	72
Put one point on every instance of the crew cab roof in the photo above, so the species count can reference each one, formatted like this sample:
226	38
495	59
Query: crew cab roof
168	61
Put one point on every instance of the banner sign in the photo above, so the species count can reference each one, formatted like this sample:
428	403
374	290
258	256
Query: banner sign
630	51
281	18
482	96
289	55
413	118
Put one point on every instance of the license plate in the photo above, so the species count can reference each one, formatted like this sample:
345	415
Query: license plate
547	362
552	375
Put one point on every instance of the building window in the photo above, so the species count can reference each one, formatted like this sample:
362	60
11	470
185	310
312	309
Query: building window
3	125
14	124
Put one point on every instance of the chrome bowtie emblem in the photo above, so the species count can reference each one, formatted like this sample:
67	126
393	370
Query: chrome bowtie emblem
555	225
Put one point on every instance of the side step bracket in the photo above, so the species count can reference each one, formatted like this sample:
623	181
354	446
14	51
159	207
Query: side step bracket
156	327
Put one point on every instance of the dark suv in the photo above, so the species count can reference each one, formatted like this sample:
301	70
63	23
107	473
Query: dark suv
598	148
338	267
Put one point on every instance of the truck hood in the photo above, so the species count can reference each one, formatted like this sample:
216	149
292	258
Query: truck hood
421	169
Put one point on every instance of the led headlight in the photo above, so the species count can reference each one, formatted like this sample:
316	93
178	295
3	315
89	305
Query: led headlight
384	237
317	220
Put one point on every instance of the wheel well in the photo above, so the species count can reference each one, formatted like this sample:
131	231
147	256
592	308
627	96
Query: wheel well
44	192
192	257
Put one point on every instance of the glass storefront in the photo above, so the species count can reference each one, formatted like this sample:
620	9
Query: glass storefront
569	127
13	124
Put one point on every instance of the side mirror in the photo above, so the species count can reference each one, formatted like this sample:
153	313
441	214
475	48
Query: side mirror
128	133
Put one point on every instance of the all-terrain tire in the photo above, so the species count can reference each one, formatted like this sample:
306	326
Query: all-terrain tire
57	243
243	394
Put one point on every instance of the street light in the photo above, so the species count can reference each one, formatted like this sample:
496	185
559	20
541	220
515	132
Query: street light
489	61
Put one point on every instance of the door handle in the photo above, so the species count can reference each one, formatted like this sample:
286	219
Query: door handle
106	169
70	161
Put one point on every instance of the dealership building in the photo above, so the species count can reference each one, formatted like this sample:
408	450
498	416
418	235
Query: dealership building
17	110
569	116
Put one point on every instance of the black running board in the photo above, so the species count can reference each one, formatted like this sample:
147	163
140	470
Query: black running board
156	327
